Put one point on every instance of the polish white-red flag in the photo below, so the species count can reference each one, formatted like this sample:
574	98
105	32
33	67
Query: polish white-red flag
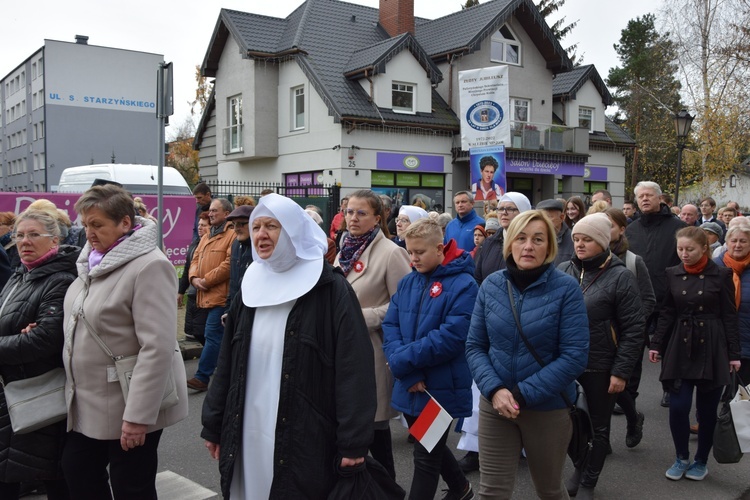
431	424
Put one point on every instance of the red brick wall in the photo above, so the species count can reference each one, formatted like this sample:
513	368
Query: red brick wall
397	16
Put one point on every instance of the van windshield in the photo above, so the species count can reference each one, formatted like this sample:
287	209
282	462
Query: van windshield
151	189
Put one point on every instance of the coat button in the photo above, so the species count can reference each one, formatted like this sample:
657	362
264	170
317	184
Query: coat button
700	324
286	376
291	333
283	419
281	462
684	292
700	277
700	292
684	278
700	308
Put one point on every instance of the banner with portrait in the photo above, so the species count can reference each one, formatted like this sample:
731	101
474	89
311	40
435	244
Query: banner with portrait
485	107
487	167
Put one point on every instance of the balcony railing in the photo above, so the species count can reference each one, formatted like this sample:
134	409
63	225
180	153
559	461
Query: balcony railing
232	139
542	136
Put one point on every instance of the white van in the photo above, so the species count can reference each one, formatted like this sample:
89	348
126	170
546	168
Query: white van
138	179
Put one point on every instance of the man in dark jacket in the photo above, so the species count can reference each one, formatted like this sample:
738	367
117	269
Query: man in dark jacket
242	255
556	212
202	195
652	236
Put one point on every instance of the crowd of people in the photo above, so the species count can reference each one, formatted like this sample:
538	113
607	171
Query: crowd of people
496	317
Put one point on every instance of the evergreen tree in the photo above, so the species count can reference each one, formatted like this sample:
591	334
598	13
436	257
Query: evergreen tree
469	3
647	94
559	28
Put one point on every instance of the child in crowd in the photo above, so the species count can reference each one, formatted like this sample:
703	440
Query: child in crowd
425	332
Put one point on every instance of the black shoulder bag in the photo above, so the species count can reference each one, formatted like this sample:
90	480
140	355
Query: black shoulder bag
582	439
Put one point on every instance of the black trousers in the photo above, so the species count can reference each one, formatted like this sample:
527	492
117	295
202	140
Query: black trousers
429	466
132	473
56	490
601	404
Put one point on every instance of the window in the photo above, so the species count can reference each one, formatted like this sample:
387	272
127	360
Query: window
586	118
33	71
521	109
235	124
298	108
505	47
402	97
41	129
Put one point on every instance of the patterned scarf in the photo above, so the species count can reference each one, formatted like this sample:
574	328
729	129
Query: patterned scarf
738	266
354	247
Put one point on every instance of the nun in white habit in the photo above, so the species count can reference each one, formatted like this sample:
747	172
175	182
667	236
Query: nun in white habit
293	393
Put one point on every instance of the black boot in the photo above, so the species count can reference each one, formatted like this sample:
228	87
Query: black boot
470	462
635	432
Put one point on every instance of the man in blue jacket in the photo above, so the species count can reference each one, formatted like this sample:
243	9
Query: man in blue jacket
424	340
461	228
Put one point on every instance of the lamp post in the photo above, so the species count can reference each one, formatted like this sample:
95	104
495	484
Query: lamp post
682	122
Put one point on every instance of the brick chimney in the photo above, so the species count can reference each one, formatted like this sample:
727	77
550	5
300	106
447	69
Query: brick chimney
397	16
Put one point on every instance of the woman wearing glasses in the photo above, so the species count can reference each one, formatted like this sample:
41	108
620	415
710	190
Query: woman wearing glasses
374	265
407	215
31	342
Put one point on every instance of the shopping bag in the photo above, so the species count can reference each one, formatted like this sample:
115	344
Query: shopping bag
740	407
726	448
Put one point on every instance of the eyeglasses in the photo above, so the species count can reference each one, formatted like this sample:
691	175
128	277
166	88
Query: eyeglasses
402	220
240	224
360	213
31	236
507	210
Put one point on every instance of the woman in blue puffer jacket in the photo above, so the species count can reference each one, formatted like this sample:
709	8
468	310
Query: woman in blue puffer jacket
521	403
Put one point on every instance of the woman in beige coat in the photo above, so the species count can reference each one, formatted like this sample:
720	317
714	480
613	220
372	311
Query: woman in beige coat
373	265
124	294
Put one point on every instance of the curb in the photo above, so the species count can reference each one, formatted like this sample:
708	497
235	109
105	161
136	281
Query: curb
190	350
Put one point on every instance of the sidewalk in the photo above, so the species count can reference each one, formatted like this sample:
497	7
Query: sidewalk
189	349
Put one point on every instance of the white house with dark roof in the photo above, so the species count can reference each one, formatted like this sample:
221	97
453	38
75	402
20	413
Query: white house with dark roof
368	98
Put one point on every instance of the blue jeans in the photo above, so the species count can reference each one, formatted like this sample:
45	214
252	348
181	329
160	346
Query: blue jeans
214	333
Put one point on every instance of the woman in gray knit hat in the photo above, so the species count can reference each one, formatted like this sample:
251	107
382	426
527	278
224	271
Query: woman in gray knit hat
616	323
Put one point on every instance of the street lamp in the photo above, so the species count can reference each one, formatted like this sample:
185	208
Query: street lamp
682	122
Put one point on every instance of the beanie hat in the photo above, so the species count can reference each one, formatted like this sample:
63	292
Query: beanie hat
492	224
522	203
596	226
413	213
481	229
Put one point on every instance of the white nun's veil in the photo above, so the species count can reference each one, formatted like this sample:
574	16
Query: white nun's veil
297	260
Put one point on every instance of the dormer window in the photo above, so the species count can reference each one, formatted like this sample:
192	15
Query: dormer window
402	97
505	47
586	118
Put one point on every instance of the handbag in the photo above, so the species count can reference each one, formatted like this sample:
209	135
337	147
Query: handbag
366	481
582	437
726	448
124	366
35	402
740	409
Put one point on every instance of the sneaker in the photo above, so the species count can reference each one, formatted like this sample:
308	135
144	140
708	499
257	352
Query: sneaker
678	470
197	385
697	471
470	462
467	494
635	432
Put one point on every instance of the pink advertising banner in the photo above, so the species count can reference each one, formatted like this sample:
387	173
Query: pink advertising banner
177	223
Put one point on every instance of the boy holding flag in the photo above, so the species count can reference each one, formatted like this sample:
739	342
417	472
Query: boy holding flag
425	332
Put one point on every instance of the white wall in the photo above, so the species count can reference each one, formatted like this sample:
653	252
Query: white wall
403	68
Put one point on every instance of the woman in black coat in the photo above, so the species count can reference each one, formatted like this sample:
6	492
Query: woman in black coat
616	323
697	340
31	342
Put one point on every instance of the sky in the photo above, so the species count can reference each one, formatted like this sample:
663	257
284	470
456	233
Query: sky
181	30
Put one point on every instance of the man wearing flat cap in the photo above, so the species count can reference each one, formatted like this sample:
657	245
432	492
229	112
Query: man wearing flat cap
555	210
242	255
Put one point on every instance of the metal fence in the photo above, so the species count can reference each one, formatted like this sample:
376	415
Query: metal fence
326	198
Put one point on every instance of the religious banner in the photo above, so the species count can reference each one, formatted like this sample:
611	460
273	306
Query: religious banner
485	107
487	172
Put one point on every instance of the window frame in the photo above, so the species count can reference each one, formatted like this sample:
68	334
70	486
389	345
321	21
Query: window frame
591	113
498	38
234	124
409	89
514	116
296	93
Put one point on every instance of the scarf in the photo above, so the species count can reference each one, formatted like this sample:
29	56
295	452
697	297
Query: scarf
354	247
738	266
41	260
620	247
698	267
95	256
524	278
